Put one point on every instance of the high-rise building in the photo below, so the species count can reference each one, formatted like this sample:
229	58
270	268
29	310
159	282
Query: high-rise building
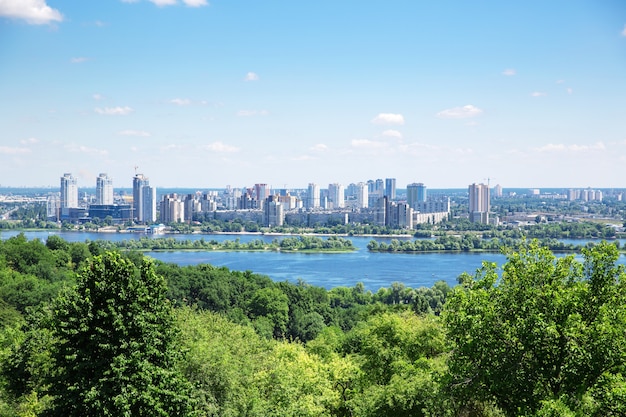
148	206
273	212
261	192
69	191
497	190
313	196
415	194
336	195
479	203
390	188
172	209
104	189
144	199
362	195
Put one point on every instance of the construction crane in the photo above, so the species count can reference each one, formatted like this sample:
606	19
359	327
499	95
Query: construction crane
489	181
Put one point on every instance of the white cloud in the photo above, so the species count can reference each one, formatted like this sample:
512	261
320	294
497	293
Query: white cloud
393	134
388	119
97	97
220	147
29	141
162	3
538	94
460	112
509	72
560	81
196	3
249	113
35	12
138	133
8	150
569	90
114	111
86	150
320	147
77	60
181	101
251	76
367	144
560	147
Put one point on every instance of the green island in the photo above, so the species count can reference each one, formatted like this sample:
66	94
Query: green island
304	244
86	329
473	243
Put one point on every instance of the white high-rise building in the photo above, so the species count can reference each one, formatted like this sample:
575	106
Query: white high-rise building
144	199
172	209
104	189
69	191
313	196
362	195
148	206
336	195
479	203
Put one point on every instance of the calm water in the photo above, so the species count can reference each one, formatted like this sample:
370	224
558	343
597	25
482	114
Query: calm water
375	270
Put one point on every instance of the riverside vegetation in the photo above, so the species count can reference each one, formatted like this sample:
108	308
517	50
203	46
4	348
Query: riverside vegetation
86	330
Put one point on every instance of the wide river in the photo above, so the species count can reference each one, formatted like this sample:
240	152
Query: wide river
373	269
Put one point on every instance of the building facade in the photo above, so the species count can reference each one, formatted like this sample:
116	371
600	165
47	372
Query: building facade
69	191
104	190
479	203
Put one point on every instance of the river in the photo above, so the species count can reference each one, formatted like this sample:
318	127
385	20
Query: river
373	269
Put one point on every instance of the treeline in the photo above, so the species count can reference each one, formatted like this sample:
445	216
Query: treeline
89	331
469	242
298	243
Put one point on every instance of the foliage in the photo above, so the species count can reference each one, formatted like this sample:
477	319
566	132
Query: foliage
541	336
115	353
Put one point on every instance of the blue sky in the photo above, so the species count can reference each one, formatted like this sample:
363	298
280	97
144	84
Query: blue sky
204	94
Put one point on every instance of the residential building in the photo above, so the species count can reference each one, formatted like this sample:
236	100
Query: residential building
139	182
415	193
313	196
336	196
390	188
274	214
362	196
69	191
172	209
104	190
479	203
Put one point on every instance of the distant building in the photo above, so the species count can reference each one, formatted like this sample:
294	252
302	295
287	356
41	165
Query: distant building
497	191
313	196
192	205
104	190
144	200
172	209
273	213
362	195
120	213
479	203
415	193
261	192
69	191
336	196
390	188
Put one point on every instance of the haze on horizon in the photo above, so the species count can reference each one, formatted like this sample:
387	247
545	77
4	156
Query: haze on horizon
199	94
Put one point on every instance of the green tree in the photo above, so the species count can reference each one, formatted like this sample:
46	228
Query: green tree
115	353
544	336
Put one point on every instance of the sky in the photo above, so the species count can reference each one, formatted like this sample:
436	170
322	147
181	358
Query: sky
202	94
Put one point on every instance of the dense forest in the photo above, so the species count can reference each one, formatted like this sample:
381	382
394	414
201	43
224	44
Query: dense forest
91	330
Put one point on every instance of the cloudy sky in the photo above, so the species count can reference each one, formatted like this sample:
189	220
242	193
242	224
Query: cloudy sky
204	94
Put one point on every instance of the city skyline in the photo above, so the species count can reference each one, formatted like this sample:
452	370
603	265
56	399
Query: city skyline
198	95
